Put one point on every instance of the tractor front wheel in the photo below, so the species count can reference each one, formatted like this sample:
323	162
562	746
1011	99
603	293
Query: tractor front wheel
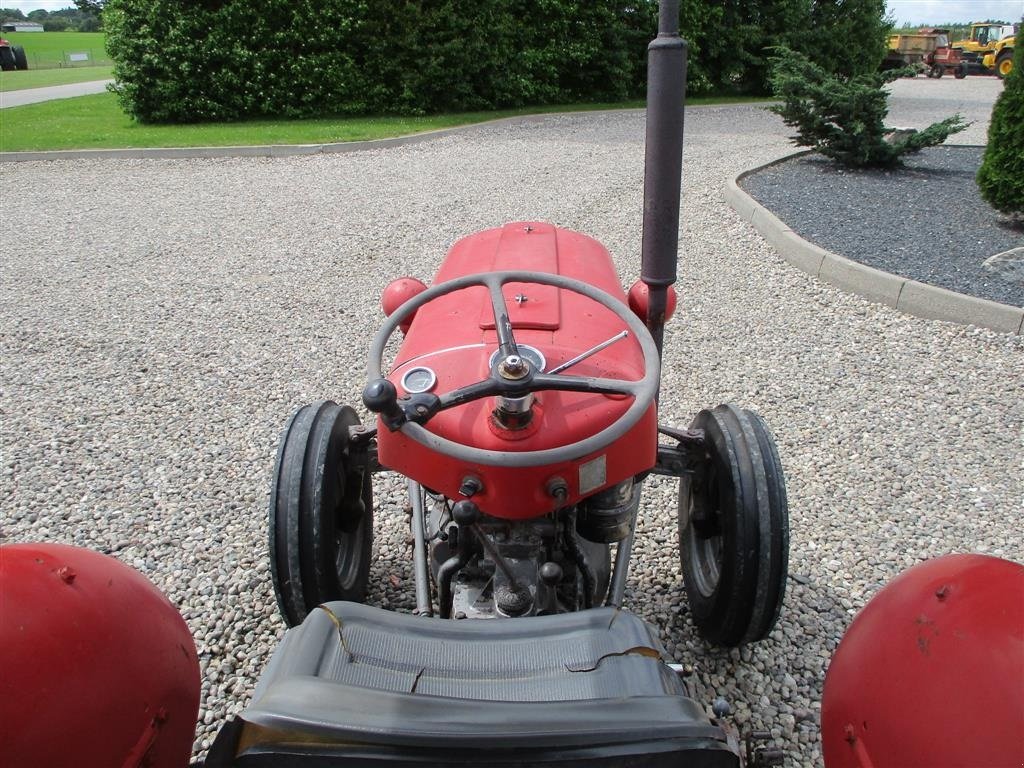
20	59
321	513
1004	64
734	528
961	72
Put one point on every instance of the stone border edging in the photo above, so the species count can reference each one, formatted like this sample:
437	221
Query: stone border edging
902	293
275	150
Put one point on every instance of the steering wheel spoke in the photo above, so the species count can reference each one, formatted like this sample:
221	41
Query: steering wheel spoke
595	384
468	394
502	323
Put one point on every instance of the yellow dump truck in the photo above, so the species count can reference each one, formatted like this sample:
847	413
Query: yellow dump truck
907	49
928	49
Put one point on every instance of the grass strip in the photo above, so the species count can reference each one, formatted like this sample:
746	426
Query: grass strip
50	50
97	122
42	78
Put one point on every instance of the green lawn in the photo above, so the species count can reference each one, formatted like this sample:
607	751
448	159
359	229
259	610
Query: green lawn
53	50
94	122
40	78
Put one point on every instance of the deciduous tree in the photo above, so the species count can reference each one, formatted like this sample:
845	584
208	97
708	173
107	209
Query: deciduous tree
91	6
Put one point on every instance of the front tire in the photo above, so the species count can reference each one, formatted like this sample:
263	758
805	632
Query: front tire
734	529
1004	64
20	59
321	513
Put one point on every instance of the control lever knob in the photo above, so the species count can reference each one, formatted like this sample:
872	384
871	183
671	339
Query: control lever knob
551	574
381	396
465	512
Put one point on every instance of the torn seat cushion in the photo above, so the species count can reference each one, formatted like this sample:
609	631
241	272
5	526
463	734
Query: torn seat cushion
355	674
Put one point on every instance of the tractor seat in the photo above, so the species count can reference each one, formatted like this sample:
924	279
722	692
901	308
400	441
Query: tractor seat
354	680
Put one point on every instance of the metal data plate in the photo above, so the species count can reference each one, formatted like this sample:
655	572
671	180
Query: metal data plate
593	475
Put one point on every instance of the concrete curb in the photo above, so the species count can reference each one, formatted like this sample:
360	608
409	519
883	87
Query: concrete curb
914	298
277	150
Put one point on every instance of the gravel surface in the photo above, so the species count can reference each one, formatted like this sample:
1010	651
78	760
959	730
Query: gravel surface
926	221
160	320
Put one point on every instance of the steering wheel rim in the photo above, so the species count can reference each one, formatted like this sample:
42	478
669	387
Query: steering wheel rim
644	390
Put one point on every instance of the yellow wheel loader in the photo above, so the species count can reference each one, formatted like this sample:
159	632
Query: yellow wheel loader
1000	60
982	41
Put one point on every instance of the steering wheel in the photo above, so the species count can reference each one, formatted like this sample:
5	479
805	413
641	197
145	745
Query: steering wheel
510	376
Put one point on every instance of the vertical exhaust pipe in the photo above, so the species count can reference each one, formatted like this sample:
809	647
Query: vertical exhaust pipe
663	161
663	167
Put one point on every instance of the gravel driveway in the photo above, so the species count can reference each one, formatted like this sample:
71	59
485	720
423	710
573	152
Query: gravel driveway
160	320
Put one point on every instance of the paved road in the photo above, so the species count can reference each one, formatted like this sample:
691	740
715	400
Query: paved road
35	95
918	102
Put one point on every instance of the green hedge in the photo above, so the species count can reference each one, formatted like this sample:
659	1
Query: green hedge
732	40
228	59
1001	176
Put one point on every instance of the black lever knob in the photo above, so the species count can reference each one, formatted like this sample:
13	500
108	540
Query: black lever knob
465	512
551	574
381	396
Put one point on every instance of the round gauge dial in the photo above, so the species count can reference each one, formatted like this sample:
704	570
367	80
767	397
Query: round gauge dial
419	379
532	355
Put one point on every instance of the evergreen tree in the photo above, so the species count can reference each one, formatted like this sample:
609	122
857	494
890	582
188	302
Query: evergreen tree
843	118
1001	176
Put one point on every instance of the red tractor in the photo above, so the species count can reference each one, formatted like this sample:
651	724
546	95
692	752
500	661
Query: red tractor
521	407
12	56
943	57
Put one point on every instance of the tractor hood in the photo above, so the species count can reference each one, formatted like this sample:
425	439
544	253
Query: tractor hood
450	344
